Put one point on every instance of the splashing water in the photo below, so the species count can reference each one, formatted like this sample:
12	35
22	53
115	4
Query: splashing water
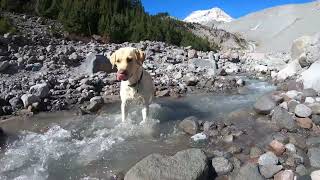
95	147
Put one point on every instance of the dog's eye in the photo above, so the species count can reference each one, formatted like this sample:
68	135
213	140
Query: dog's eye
118	61
129	59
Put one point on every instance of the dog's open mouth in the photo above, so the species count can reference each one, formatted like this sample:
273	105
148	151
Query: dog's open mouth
122	76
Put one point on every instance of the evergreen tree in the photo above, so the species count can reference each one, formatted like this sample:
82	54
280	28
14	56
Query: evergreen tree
116	20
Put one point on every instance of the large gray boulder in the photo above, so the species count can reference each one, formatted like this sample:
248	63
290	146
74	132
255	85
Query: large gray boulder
311	77
283	119
302	110
99	63
40	90
29	99
264	105
190	164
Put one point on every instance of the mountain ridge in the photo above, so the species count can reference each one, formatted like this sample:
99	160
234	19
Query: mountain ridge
206	17
274	29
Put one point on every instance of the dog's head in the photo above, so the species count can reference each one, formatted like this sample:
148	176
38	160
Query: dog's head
127	60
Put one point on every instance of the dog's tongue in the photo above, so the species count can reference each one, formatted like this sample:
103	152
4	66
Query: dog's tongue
121	76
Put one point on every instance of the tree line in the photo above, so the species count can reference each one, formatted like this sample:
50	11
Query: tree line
116	20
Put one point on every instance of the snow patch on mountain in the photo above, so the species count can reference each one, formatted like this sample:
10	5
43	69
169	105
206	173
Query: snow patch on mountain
205	17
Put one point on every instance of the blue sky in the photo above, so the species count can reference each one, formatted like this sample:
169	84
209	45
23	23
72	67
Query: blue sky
235	8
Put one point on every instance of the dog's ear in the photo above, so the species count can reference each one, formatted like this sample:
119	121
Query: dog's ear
141	56
113	59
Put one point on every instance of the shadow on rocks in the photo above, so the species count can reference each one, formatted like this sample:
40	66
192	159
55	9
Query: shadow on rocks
212	174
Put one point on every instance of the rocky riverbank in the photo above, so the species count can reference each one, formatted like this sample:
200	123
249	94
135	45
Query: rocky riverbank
41	71
291	147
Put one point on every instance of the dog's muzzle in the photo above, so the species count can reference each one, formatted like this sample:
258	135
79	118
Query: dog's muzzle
122	75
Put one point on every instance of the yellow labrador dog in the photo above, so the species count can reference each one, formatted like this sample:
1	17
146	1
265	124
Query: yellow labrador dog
136	83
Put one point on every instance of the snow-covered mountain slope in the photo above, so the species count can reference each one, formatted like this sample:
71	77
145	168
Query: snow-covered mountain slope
274	29
206	17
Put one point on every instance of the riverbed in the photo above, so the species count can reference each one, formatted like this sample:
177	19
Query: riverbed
65	145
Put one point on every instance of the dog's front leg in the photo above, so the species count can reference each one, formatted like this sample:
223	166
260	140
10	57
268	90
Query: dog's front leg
145	113
124	111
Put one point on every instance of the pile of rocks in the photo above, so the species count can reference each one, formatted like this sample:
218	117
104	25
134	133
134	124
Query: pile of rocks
69	73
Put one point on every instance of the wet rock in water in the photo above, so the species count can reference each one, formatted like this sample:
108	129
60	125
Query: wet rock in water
248	171
95	104
269	170
283	119
277	147
314	157
315	175
99	63
29	99
221	165
241	82
302	110
268	158
4	65
304	123
284	175
190	125
264	105
188	164
255	152
40	90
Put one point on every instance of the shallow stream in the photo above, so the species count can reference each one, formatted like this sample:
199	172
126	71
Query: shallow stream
63	145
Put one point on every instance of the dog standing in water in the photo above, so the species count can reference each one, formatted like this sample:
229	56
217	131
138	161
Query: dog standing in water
136	82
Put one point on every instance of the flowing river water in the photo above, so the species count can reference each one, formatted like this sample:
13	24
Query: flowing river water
64	145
